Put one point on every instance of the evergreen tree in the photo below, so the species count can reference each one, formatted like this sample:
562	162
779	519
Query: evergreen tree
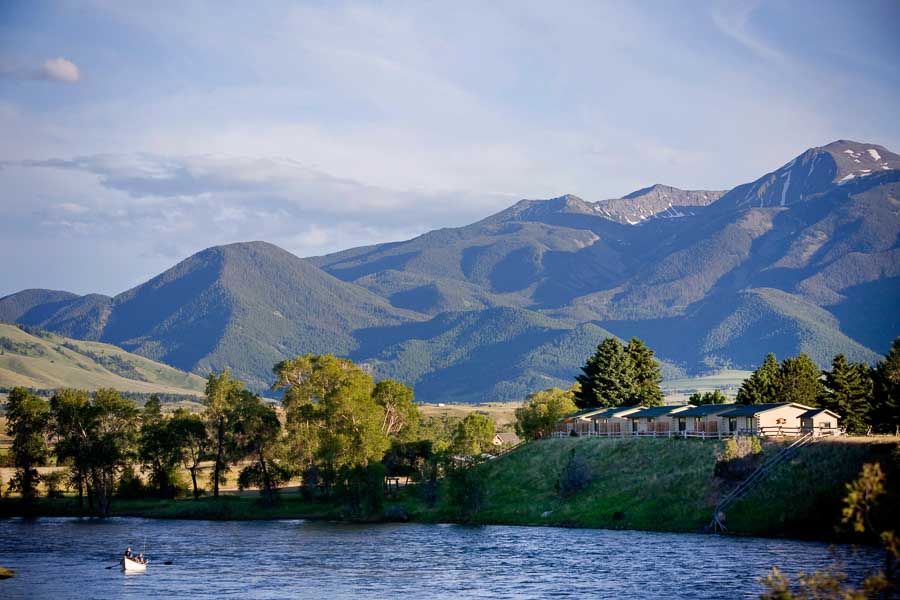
27	422
885	412
608	377
849	393
762	386
647	375
799	381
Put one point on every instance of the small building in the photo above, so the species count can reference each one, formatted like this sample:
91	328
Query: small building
613	422
777	419
820	421
579	422
656	420
701	421
506	438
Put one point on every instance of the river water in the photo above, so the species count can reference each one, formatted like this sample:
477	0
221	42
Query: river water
67	558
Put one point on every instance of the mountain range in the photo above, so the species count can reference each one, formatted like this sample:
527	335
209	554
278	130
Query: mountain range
805	258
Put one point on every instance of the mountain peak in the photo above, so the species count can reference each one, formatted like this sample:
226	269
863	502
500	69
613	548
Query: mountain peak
658	200
813	172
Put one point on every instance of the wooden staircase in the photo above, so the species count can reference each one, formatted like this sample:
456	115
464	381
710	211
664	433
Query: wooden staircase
747	484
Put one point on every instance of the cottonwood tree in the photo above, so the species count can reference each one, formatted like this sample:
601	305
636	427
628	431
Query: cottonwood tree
111	443
332	417
256	432
474	435
541	411
159	447
193	441
401	414
221	393
27	422
72	422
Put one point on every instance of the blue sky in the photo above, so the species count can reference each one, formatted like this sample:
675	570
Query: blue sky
135	134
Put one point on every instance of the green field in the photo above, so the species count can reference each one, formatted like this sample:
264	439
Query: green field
726	380
49	361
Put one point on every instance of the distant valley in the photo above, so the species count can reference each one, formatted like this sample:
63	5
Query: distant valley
805	258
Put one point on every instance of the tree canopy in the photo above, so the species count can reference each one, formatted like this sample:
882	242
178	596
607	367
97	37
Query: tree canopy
541	411
618	375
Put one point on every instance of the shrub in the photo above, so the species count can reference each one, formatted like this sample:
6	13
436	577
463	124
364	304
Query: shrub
575	475
56	482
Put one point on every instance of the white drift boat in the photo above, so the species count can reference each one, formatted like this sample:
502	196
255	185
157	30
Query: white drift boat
133	566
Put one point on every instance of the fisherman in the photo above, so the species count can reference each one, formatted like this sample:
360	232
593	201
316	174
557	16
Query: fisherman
141	559
128	553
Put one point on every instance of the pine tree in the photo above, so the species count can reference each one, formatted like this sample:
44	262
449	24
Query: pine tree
885	412
647	376
762	386
848	392
799	381
608	377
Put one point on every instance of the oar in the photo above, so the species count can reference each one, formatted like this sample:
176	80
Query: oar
115	565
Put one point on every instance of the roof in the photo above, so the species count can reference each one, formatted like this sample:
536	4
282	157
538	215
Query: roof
705	410
584	412
615	411
748	410
658	411
818	411
508	437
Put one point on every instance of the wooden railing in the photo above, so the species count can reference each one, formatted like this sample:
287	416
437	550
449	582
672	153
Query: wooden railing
710	434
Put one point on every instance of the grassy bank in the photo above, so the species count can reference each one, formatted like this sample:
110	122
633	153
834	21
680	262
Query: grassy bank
671	485
649	484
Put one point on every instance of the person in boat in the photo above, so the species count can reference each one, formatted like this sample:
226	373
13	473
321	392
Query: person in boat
128	553
141	559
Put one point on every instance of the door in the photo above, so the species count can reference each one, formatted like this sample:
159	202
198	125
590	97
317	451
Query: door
732	424
682	424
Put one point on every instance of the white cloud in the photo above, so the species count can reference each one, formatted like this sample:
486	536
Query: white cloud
60	69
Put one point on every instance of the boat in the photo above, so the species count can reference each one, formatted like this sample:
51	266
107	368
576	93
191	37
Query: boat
133	566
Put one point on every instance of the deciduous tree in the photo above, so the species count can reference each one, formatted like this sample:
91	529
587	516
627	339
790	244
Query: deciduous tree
27	422
541	411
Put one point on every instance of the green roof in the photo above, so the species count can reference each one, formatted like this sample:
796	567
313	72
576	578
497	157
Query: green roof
706	410
655	411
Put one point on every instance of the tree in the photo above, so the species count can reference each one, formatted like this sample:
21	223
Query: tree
73	420
474	435
713	397
541	411
886	402
849	393
27	422
607	377
646	373
401	414
221	391
111	443
332	415
192	440
159	448
256	432
800	381
762	386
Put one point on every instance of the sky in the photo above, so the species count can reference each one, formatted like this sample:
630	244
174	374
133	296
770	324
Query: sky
133	134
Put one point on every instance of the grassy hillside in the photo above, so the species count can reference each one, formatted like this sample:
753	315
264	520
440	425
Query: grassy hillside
46	361
670	485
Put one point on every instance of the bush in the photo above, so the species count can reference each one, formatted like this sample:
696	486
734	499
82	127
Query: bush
465	490
132	486
575	475
362	489
739	457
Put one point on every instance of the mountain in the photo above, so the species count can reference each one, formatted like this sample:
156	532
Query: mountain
243	305
805	258
43	360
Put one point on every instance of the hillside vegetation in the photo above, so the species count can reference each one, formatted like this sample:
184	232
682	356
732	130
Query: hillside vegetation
43	360
671	485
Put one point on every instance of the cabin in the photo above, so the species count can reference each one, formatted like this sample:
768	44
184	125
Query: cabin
701	421
778	419
577	422
820	421
505	438
597	421
656	420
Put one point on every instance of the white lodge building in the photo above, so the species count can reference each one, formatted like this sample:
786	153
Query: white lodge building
707	421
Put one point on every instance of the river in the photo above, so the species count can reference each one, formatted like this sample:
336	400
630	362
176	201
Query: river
67	558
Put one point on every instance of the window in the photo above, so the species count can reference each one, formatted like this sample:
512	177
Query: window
781	421
826	424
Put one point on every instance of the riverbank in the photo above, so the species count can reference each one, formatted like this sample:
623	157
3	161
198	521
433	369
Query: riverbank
641	484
